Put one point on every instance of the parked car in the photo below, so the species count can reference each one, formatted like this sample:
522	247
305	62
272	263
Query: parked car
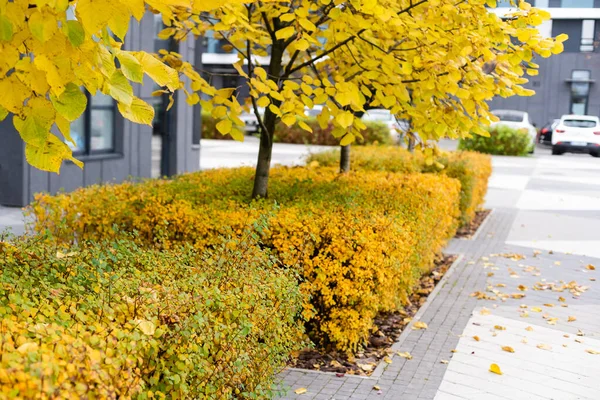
251	124
577	134
396	127
545	135
516	120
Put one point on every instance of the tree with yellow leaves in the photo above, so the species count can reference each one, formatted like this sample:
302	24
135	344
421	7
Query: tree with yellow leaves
435	62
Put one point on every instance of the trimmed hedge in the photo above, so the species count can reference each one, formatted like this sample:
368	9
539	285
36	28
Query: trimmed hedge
374	133
359	242
471	169
113	320
503	141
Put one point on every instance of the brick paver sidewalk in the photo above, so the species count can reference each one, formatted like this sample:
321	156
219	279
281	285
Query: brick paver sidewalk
545	364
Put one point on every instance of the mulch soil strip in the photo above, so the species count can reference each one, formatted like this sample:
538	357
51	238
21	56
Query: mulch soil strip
388	327
468	231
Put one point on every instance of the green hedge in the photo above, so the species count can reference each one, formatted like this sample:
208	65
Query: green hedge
503	141
374	133
113	320
471	169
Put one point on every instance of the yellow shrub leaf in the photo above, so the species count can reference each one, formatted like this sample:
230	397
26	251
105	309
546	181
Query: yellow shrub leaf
147	327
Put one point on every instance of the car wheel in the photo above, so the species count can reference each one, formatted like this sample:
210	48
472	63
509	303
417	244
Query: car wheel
595	154
556	152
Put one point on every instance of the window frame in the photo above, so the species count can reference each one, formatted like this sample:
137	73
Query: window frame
586	97
87	129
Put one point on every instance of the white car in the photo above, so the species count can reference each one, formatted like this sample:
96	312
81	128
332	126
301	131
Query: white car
577	134
251	124
385	117
516	120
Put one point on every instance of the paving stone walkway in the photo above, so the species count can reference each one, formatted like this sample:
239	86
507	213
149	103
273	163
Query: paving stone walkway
547	209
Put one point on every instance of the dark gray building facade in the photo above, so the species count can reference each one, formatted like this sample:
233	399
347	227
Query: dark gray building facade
568	83
112	148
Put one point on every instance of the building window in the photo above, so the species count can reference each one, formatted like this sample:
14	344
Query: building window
577	3
94	131
587	35
573	28
580	91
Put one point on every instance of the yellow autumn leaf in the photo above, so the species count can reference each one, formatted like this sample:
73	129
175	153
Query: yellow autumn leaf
495	369
71	103
345	119
476	338
387	360
224	126
572	318
405	354
508	349
285	33
536	309
591	267
27	347
300	390
499	328
147	327
420	325
139	111
592	351
544	346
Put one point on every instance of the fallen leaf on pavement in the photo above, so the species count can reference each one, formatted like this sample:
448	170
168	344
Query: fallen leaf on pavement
453	351
499	328
495	369
406	355
562	299
566	335
484	311
591	267
508	349
490	274
580	333
376	387
552	321
592	351
501	285
556	262
300	391
548	305
544	346
524	340
387	360
579	340
522	287
529	328
365	367
572	318
536	309
444	361
476	338
517	295
419	325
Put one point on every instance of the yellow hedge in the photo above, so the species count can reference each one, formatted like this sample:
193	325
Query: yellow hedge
112	320
471	169
359	242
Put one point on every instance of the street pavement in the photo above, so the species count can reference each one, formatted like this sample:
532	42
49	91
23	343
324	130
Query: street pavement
525	282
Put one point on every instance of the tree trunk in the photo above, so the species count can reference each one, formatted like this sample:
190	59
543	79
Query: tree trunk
411	143
263	164
344	159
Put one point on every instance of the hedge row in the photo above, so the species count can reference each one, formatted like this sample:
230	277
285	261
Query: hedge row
471	169
374	133
359	242
112	320
503	141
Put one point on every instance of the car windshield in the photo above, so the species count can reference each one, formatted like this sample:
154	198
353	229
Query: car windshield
377	116
509	116
579	123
